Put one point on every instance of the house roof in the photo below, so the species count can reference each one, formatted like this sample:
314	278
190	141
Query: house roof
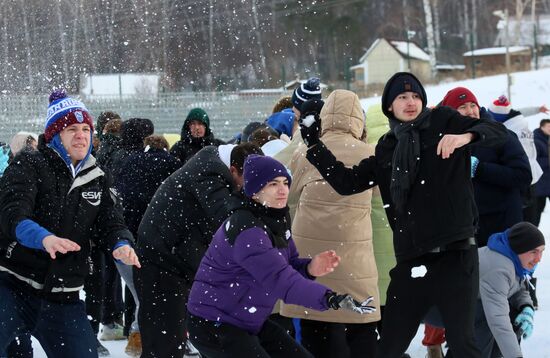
495	51
526	31
413	51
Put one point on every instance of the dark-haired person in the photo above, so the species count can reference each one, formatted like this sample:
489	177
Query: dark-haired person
173	236
51	202
141	173
195	135
499	176
308	92
422	167
251	262
505	309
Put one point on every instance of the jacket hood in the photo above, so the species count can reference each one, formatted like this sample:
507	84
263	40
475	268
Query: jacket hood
196	114
342	112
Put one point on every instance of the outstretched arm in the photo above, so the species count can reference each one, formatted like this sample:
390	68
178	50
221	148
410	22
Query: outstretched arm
346	181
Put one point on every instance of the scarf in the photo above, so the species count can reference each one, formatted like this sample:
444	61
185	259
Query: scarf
58	147
276	221
406	157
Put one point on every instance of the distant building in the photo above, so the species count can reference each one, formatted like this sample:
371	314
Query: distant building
491	61
386	57
449	72
119	84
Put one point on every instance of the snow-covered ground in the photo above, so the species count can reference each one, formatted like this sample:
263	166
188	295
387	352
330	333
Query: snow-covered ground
528	89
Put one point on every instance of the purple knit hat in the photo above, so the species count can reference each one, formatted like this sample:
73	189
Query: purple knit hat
259	170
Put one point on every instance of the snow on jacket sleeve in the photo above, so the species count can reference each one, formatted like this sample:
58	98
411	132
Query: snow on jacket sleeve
494	287
346	181
512	171
254	252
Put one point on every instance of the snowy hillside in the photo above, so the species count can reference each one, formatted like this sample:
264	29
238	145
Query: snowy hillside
528	89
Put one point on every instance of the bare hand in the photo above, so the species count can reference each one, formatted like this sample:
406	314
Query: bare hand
544	109
127	255
323	263
450	142
53	244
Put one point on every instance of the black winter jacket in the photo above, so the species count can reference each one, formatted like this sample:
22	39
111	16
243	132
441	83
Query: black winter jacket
440	208
503	172
184	213
542	143
140	175
39	186
185	148
109	145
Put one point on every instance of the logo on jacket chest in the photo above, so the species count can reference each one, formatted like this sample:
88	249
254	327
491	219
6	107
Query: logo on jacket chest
92	197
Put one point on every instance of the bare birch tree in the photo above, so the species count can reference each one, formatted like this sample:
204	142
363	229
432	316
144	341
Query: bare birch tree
430	35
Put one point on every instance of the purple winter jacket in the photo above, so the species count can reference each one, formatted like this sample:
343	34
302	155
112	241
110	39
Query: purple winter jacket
240	279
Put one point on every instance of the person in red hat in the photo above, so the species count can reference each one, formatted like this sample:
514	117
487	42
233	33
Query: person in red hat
499	174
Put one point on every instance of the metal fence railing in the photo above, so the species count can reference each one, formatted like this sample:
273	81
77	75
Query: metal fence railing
229	112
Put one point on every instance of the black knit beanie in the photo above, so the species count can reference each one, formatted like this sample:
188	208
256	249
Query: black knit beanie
311	89
399	83
524	237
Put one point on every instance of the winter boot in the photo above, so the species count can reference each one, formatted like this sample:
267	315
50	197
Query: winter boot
134	344
435	351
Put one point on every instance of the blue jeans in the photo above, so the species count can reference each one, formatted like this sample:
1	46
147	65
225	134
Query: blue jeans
62	329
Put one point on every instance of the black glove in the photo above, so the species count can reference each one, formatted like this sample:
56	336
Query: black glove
310	126
345	301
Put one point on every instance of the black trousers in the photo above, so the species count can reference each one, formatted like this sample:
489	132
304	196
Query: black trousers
163	306
103	291
328	339
217	340
450	282
540	204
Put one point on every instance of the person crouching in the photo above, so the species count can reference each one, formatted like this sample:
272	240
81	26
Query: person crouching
251	262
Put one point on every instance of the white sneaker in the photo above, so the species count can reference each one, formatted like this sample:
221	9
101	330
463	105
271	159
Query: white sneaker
112	332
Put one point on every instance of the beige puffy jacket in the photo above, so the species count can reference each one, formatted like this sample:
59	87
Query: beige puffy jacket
325	220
